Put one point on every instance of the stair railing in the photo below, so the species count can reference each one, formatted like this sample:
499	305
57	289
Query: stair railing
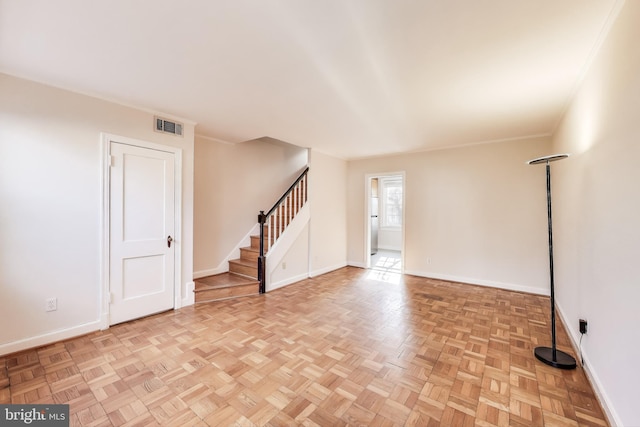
275	221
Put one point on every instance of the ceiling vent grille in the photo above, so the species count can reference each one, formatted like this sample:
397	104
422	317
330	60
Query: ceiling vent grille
167	126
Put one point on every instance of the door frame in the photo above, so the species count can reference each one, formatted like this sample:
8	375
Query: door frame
367	214
105	219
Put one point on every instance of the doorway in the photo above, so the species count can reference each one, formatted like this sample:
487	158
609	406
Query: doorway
141	272
385	225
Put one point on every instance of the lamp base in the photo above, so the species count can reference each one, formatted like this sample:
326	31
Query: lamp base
563	360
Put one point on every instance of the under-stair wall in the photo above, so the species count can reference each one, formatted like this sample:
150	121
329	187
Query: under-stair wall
288	260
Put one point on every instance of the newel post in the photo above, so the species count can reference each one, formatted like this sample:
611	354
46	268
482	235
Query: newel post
261	258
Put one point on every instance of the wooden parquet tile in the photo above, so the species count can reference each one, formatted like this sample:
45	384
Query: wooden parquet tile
341	349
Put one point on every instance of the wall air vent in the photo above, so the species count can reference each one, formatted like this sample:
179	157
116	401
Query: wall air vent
167	126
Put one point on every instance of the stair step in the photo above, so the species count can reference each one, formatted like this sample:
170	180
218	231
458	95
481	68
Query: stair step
249	254
244	268
255	242
224	286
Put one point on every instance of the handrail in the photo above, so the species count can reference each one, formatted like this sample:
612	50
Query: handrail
278	218
286	193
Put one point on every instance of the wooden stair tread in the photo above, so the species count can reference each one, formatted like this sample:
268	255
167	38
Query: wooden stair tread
224	286
241	261
223	280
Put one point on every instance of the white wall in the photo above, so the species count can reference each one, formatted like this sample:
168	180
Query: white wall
597	214
328	226
50	196
233	182
475	214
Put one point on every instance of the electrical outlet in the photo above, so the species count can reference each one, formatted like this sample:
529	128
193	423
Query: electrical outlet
583	326
51	304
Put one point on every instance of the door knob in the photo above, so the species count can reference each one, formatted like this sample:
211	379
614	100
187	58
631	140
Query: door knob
169	240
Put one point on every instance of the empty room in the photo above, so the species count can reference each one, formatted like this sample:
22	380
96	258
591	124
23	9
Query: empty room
358	213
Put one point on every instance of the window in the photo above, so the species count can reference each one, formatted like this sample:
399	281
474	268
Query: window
391	202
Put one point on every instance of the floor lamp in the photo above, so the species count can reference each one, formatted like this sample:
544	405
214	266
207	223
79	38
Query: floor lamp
551	355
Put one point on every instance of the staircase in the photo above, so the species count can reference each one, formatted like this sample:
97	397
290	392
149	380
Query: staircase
241	280
244	277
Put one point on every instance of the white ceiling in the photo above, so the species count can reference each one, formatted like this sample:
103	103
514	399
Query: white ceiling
351	78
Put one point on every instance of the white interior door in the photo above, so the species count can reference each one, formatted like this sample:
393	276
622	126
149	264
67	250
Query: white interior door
141	251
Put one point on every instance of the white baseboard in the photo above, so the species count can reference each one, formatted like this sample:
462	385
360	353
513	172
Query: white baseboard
480	282
601	395
356	264
325	270
48	338
287	281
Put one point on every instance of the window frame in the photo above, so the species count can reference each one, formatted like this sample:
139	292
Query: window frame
383	184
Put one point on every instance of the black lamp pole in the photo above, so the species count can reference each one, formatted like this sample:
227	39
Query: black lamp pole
551	355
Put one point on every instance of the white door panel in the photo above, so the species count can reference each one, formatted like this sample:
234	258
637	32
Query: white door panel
146	273
142	206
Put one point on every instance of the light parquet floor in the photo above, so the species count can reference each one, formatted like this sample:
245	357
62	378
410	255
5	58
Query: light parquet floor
340	349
